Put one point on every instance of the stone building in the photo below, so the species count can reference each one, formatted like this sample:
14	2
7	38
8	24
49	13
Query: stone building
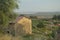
10	29
23	26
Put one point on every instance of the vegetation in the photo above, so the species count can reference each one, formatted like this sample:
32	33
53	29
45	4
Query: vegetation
33	17
40	24
56	17
6	11
44	28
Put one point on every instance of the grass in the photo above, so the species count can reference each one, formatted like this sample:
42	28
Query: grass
38	33
5	37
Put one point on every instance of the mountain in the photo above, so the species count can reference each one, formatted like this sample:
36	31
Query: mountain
39	13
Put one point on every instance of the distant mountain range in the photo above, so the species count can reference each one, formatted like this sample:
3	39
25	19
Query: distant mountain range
39	13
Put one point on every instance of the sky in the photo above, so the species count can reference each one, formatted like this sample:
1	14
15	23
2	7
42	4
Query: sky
39	5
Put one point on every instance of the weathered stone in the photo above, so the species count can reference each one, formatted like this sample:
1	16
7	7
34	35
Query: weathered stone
23	26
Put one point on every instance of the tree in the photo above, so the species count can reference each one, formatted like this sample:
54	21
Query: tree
40	25
6	11
56	17
33	17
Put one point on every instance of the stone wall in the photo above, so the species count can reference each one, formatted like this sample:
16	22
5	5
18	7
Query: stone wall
23	26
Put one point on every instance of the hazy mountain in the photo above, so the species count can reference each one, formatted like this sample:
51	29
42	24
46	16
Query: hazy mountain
40	13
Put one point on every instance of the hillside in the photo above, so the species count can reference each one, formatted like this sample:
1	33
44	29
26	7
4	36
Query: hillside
39	13
44	14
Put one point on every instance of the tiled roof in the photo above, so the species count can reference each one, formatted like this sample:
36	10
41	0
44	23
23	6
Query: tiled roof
17	19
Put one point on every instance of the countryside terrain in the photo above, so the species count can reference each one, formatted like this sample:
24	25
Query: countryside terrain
45	25
43	28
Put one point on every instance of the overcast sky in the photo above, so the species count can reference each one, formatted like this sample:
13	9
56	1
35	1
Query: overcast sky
39	5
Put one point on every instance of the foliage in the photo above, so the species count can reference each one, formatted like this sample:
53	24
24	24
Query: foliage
47	31
6	10
40	24
33	17
56	17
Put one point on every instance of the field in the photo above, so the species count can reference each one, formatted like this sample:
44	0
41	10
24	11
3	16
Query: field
43	29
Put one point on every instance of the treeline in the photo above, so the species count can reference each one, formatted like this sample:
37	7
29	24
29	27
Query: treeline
56	17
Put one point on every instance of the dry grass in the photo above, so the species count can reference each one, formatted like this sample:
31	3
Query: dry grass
5	37
9	37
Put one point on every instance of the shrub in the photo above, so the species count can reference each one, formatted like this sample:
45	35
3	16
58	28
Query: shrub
40	25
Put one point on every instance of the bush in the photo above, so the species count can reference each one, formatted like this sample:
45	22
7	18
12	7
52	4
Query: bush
40	25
